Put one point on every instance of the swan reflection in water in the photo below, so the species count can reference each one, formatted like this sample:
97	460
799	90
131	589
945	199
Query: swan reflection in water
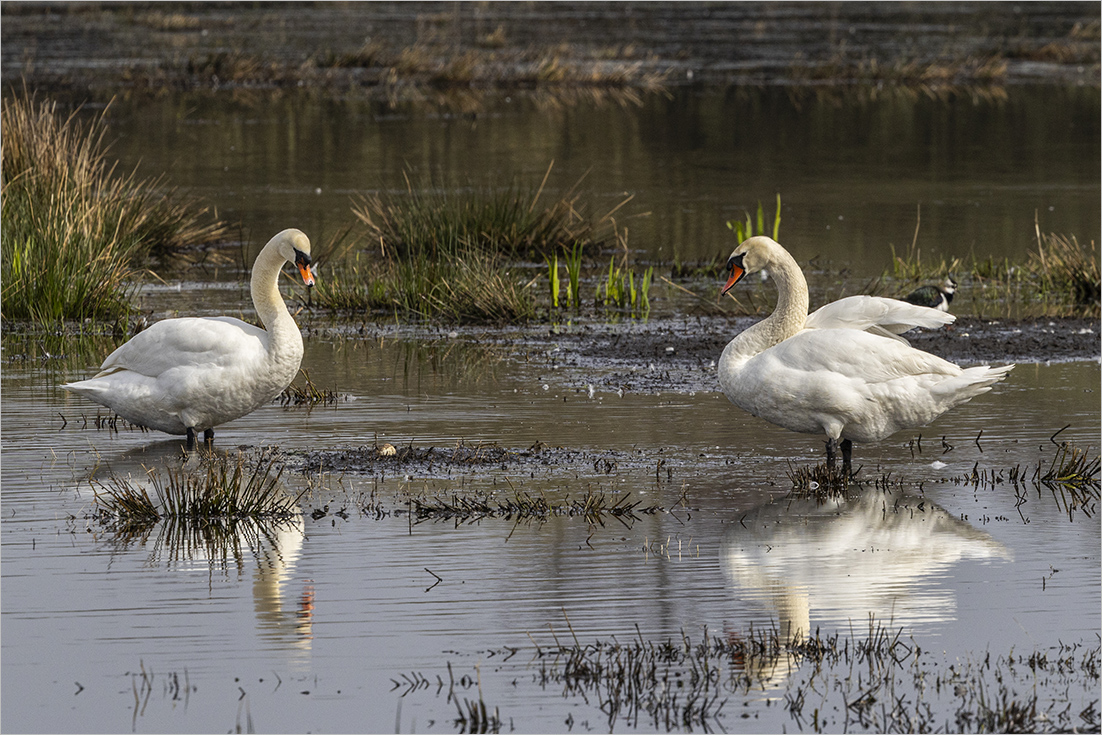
882	554
284	615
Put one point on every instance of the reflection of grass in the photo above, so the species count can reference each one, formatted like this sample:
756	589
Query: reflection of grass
878	681
72	230
593	507
222	488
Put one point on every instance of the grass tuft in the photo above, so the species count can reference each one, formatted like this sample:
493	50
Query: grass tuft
74	232
222	488
1074	466
820	481
450	255
1068	272
307	394
1060	278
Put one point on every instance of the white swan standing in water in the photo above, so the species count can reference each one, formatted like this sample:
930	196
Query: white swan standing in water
181	376
842	371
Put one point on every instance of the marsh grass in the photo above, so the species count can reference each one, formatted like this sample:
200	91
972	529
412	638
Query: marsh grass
432	221
922	75
749	227
452	255
573	260
442	61
74	232
1059	278
876	681
221	488
1067	271
307	394
820	480
470	287
619	289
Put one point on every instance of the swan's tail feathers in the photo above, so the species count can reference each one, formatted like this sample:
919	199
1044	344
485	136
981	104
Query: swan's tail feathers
972	382
87	388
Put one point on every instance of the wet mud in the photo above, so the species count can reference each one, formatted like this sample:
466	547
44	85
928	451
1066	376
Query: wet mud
679	354
478	459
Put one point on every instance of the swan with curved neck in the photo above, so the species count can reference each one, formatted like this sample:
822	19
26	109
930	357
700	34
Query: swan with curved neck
842	371
186	375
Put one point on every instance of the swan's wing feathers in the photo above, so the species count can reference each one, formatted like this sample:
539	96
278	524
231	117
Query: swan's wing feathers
857	354
871	312
176	343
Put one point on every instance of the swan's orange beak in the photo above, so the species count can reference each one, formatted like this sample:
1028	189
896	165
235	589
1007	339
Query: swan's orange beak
307	276
302	261
736	274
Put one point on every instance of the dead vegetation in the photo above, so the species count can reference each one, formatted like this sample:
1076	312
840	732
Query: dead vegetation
876	681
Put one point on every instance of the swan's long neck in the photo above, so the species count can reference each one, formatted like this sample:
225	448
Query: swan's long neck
284	338
787	318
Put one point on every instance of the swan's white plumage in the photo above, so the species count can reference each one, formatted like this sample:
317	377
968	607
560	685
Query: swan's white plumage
197	373
843	371
885	317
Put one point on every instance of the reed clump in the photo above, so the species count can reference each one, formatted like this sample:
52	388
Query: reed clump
471	286
452	255
431	220
222	488
1060	276
1067	271
821	481
74	231
307	394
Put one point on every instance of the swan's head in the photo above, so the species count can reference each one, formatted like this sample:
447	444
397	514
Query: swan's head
754	254
294	247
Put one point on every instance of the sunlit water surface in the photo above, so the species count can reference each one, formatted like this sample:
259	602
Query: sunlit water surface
308	626
973	171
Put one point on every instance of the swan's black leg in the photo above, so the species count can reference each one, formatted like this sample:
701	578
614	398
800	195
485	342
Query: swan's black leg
847	454
190	439
832	446
208	436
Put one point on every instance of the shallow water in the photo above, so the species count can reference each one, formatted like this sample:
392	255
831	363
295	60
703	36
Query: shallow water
309	627
855	175
351	624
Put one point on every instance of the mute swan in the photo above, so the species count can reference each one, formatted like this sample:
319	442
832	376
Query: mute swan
843	370
184	375
936	297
